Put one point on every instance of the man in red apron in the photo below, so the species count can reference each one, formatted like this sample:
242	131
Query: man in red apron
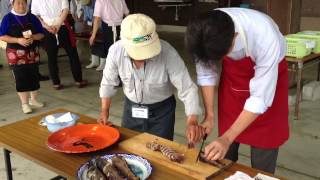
253	89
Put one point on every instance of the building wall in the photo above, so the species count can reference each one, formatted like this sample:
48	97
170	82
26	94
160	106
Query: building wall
310	15
166	16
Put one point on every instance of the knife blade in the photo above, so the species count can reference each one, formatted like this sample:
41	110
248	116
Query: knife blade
203	140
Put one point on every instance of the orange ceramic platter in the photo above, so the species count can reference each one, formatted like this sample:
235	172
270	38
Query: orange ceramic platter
83	138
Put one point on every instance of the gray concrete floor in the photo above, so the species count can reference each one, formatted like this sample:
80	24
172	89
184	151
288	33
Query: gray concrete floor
299	158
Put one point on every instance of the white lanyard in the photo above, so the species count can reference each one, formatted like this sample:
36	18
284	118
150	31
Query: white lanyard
134	82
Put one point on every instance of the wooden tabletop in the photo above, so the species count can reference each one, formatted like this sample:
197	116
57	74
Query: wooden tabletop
29	140
304	59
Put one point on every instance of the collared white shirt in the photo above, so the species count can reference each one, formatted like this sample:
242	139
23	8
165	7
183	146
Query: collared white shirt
49	10
110	11
157	79
265	45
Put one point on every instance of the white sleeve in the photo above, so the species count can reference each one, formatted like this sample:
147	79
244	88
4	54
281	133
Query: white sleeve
73	7
65	4
206	75
125	8
35	7
187	90
110	76
263	84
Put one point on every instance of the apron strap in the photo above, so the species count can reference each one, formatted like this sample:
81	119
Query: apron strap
114	31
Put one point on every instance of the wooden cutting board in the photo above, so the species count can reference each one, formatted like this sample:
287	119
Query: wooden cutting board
189	167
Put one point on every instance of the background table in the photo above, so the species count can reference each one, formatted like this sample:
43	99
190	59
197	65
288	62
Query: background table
29	140
83	32
297	65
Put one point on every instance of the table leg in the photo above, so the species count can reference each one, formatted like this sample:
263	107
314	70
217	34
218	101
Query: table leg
8	163
318	77
298	94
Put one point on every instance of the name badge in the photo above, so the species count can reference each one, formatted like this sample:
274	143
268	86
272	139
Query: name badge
27	34
140	112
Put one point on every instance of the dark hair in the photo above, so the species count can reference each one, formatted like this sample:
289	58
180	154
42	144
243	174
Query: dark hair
209	36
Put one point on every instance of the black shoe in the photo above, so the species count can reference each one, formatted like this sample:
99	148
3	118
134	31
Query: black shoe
43	78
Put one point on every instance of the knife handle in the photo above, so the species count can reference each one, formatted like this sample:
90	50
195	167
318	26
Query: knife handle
205	136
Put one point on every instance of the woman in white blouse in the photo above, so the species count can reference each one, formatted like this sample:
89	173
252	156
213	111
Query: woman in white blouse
58	32
253	88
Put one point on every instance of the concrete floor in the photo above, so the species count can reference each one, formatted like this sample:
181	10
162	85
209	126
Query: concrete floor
299	158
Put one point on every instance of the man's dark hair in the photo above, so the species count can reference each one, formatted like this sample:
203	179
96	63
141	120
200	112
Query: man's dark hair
209	36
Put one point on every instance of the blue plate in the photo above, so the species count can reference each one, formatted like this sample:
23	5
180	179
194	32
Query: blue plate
138	165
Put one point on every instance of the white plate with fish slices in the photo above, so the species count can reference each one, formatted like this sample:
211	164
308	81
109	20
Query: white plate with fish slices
138	165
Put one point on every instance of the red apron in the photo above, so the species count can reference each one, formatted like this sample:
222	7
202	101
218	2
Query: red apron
22	56
270	129
72	36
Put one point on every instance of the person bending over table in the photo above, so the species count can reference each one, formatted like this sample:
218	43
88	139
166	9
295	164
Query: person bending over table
150	70
253	89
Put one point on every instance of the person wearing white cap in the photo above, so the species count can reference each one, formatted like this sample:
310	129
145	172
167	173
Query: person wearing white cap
150	69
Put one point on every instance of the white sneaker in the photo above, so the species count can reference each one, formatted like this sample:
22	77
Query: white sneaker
92	65
94	62
26	109
102	64
36	104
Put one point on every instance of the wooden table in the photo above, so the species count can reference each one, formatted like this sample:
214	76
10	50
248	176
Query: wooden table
28	139
297	65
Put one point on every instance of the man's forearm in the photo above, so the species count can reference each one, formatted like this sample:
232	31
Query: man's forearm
105	104
96	23
208	100
243	121
191	119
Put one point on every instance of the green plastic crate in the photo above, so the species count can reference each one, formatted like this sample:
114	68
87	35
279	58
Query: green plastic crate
297	48
315	38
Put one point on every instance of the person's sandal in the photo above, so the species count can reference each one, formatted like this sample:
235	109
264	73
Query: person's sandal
26	109
58	86
36	104
81	84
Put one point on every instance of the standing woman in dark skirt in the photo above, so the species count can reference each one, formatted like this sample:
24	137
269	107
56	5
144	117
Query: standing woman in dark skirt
110	14
21	30
98	52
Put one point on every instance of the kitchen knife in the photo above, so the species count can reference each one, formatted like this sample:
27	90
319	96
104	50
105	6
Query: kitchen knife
203	140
